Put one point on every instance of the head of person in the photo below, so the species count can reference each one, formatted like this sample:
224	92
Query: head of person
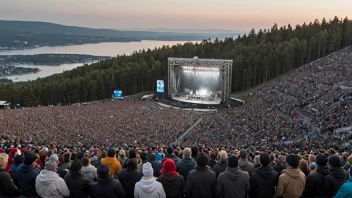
103	171
264	159
195	151
132	154
243	154
4	158
111	153
122	154
303	165
170	150
132	164
213	155
169	167
223	156
76	166
202	159
18	160
232	161
85	161
144	156
312	166
67	157
334	161
148	170
292	161
187	152
152	157
51	166
30	159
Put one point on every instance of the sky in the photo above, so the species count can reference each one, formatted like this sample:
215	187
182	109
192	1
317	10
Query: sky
174	14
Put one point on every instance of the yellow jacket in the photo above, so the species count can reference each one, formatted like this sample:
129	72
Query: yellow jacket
291	183
115	166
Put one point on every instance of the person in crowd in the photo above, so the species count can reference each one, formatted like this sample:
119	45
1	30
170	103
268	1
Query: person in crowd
77	184
129	177
256	162
59	170
106	186
264	179
48	184
201	181
244	164
315	181
186	164
337	176
212	161
160	155
222	164
279	165
272	160
292	179
233	182
111	161
122	157
345	190
88	170
18	160
312	167
66	161
148	187
171	155
26	175
7	187
303	166
195	151
157	165
132	154
172	182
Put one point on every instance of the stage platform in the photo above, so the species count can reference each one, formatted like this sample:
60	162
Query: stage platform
198	101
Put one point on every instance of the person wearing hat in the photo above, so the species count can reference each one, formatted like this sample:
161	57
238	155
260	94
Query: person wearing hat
129	177
346	188
25	175
112	162
337	176
222	164
172	182
148	187
186	164
315	181
106	186
292	179
201	181
233	182
7	187
264	179
48	184
244	164
77	184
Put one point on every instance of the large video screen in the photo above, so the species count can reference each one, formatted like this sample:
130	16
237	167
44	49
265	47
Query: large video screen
160	86
117	93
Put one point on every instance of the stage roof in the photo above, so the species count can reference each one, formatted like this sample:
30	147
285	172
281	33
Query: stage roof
199	59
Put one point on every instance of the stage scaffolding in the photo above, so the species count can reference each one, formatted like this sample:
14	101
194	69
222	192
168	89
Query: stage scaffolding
224	66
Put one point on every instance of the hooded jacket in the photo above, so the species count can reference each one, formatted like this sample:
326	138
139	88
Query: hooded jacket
7	187
334	180
291	183
173	185
115	166
25	179
90	172
247	166
78	185
201	182
315	183
128	179
184	166
107	188
263	182
149	188
345	190
233	183
48	184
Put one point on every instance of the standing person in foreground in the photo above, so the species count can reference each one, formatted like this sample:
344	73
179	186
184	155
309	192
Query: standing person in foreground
336	177
292	180
7	187
233	182
148	187
77	184
129	177
88	170
172	182
222	164
244	164
346	189
48	183
111	161
186	164
201	181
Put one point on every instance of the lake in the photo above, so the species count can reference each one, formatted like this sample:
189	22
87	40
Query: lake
99	49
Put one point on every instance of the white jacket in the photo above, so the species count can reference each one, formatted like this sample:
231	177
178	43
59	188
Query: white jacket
90	172
48	184
149	188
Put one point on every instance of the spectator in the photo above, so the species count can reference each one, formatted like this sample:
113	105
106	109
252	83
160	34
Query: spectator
131	155
7	187
337	176
67	161
279	165
201	181
77	184
160	155
148	187
172	182
18	160
48	184
212	161
345	190
171	155
122	157
264	179
244	164
60	171
111	161
89	171
222	164
292	180
195	151
129	177
26	175
303	166
186	164
155	164
106	186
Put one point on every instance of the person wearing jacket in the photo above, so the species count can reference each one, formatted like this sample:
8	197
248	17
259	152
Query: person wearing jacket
264	179
26	174
48	184
186	164
18	160
233	182
292	180
77	184
106	186
337	176
315	181
201	181
111	161
172	182
222	164
88	170
129	177
171	155
346	189
155	164
244	164
148	187
7	187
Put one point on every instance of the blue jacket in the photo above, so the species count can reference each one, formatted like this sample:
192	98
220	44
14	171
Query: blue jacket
25	178
159	156
185	166
345	190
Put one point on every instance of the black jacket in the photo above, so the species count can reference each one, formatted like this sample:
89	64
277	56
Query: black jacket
233	183
173	185
128	179
185	166
25	179
219	168
107	188
334	180
314	187
156	167
263	182
201	182
211	163
77	184
7	187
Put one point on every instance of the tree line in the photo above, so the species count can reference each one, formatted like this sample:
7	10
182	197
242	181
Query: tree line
257	57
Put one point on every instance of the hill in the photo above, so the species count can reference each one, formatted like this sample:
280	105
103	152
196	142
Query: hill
257	57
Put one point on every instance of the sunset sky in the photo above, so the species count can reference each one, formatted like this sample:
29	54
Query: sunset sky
176	14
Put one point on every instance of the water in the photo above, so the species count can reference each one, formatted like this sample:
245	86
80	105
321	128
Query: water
99	49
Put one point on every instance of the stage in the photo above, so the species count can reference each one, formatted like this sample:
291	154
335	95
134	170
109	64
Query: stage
215	101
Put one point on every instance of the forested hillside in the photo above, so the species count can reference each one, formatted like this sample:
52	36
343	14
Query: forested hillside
257	57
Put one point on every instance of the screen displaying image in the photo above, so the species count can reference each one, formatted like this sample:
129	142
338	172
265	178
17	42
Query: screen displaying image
117	93
160	86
